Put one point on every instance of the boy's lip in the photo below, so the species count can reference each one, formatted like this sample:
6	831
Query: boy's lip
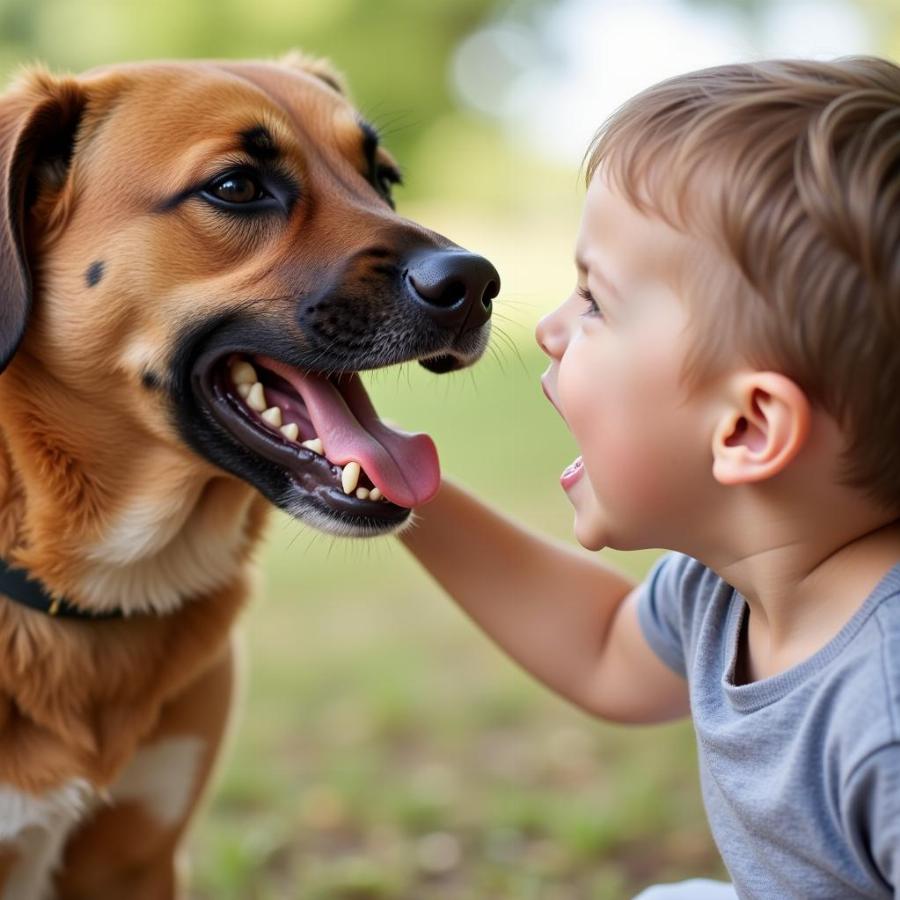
573	473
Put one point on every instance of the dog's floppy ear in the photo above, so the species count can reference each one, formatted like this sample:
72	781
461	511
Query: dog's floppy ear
321	68
38	120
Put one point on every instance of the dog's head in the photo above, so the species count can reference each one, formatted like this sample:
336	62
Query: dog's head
208	253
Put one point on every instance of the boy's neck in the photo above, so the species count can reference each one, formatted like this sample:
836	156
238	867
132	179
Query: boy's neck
804	585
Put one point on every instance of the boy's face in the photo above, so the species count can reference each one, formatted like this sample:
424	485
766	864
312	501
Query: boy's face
615	377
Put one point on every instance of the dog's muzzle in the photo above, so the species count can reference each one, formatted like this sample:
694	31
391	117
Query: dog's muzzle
295	401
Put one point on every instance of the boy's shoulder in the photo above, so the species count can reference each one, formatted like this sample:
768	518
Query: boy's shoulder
852	684
871	667
858	692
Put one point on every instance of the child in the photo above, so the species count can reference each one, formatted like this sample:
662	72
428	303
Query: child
729	364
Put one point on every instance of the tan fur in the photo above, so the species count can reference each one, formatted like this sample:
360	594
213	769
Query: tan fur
99	497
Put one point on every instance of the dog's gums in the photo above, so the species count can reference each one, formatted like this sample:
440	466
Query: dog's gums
326	433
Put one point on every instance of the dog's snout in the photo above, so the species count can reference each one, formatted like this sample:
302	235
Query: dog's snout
455	287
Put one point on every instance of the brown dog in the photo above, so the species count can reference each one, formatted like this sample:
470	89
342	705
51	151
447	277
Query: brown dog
196	259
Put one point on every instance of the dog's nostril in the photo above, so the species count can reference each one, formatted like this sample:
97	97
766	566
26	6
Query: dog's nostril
453	292
490	292
443	292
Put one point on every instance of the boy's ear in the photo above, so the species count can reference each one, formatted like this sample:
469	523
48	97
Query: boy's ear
762	430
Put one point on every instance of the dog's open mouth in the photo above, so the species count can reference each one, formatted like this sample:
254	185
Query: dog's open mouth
326	433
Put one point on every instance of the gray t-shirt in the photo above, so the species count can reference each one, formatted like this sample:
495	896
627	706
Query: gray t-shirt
801	771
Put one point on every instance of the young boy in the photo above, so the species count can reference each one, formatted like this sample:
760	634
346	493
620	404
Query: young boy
729	365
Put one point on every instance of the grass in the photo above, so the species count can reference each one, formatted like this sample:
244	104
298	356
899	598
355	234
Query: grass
387	751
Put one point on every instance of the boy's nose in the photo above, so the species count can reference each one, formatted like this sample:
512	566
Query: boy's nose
551	334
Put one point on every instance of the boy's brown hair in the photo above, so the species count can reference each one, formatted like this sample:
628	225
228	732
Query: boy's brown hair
791	170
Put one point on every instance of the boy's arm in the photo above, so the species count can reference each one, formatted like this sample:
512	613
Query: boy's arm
566	618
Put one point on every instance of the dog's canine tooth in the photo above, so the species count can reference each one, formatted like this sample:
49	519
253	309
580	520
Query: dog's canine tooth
243	373
290	431
256	399
315	445
272	416
350	477
362	493
375	494
243	389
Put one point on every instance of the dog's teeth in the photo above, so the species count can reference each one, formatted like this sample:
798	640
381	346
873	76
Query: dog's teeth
315	445
256	399
272	416
243	373
290	431
375	494
243	390
350	477
362	493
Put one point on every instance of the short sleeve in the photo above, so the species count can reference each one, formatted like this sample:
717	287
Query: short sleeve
660	605
872	815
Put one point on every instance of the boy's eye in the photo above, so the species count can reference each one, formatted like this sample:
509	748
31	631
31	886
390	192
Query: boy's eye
588	297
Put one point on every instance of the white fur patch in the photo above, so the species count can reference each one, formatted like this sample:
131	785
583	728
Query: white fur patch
161	777
38	825
164	547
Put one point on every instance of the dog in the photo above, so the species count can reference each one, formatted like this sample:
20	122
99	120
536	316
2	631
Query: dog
197	260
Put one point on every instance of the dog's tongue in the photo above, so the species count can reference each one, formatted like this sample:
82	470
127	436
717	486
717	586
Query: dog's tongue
403	466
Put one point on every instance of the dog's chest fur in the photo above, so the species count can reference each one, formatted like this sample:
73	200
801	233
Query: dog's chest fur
176	538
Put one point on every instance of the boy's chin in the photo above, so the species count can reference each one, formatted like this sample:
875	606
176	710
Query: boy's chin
590	532
595	530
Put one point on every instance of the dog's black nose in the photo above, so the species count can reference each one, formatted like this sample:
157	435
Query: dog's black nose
455	287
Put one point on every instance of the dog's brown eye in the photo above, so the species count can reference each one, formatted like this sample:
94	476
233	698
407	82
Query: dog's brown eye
236	188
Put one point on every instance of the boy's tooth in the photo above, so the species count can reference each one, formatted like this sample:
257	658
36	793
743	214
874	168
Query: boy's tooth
243	390
315	445
243	373
374	494
362	493
291	431
272	415
256	399
350	477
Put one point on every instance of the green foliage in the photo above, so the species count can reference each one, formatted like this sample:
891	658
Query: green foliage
394	52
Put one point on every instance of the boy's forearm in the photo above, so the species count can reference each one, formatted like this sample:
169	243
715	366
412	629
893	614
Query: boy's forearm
547	605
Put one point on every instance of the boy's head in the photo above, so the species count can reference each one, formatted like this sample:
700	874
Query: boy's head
749	216
790	172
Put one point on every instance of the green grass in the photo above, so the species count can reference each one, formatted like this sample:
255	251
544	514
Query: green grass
387	751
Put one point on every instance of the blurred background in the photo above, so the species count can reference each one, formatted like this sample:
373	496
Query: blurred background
384	748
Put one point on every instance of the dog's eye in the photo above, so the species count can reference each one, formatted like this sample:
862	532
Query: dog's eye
237	188
386	177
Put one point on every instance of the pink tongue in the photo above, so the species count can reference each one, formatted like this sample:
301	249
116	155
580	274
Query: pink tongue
403	466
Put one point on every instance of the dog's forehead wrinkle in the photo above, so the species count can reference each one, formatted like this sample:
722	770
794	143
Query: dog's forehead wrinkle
173	117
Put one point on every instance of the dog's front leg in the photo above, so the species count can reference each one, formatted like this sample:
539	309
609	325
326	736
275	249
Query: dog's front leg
130	846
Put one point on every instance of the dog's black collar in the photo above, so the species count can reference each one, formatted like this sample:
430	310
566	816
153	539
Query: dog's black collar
18	585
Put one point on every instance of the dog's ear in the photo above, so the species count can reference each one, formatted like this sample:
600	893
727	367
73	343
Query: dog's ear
321	68
39	118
